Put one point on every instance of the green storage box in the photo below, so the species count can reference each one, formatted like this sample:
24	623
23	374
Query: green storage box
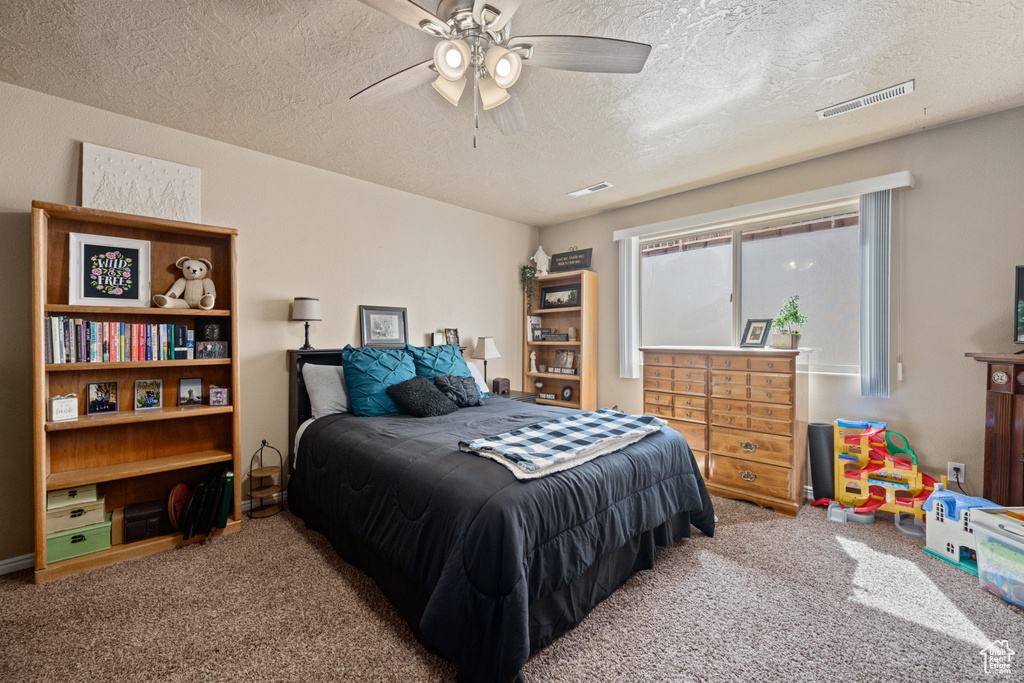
63	545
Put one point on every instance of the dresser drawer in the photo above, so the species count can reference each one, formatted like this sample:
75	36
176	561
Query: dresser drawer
771	426
658	384
690	360
764	380
683	386
658	372
734	420
697	402
771	364
730	391
662	411
686	413
750	475
691	375
776	450
696	434
729	377
652	358
728	362
658	398
770	412
784	396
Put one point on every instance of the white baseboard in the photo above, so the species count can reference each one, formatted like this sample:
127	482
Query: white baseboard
14	564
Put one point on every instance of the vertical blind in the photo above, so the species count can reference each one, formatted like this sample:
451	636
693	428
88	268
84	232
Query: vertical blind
629	307
875	217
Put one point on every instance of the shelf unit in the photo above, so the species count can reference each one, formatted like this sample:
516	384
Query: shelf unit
131	456
584	319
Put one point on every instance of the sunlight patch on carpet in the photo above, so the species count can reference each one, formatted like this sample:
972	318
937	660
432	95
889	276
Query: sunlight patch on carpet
898	587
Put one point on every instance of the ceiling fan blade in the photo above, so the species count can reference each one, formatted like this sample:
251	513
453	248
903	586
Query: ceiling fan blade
584	53
509	117
408	12
396	84
496	11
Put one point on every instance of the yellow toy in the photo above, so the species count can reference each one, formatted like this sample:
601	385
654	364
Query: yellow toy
869	476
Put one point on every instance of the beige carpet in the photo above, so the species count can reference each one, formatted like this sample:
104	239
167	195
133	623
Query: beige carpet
769	598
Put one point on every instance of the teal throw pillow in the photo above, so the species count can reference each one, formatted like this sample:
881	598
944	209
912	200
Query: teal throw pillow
368	374
432	361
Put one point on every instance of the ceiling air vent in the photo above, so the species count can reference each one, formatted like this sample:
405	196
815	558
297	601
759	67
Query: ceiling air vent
867	100
590	190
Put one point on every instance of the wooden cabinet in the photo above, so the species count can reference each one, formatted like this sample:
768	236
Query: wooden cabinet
131	456
744	414
1004	428
582	318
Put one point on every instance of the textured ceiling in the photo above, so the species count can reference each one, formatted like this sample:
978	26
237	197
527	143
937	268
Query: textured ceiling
730	87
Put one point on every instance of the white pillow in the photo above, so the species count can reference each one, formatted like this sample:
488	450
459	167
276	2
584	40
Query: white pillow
325	385
478	377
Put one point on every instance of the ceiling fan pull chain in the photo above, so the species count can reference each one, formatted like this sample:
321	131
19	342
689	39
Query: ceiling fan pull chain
476	105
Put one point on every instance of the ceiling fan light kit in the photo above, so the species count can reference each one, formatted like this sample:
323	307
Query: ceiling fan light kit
476	44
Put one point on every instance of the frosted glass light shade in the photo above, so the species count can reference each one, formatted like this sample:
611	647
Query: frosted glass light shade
451	57
485	349
450	90
305	308
490	94
503	66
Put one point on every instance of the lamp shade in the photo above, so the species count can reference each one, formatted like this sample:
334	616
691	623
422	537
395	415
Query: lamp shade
503	66
451	58
485	349
450	90
490	94
305	308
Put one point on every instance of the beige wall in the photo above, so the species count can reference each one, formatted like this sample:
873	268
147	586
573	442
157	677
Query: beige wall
302	232
960	231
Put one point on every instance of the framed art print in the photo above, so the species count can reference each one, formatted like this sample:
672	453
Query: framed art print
102	398
218	395
107	271
149	394
756	333
560	296
190	391
383	327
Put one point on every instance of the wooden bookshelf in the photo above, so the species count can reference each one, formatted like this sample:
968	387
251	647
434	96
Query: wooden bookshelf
584	319
132	456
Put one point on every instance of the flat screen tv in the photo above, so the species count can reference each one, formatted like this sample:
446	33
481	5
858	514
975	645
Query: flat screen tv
1018	312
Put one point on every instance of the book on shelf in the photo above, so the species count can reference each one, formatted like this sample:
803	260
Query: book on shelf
74	340
533	328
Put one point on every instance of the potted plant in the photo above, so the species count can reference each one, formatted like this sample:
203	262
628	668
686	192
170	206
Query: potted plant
786	334
528	280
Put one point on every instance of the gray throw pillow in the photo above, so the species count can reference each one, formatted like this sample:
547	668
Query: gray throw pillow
462	391
325	385
419	397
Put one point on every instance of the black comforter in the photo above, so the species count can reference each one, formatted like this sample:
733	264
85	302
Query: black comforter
485	568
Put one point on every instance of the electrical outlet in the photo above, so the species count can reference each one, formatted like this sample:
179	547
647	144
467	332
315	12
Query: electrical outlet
951	473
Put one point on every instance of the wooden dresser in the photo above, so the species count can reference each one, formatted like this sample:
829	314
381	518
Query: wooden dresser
744	414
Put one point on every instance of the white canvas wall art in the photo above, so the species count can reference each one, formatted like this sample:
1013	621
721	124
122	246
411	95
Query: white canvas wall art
113	180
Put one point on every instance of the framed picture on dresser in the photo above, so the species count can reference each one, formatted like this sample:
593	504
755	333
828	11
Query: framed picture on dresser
756	332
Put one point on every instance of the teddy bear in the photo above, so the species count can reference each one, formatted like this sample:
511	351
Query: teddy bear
193	290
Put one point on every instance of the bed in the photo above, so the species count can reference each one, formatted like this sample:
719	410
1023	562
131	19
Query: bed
485	568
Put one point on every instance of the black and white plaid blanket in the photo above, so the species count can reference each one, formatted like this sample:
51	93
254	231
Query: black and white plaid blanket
555	445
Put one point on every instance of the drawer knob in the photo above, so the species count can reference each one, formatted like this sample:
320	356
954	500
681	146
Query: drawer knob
728	408
728	378
687	387
728	391
688	403
657	374
768	395
769	412
689	361
728	420
767	381
769	426
689	415
657	359
656	385
728	363
687	376
748	446
78	538
657	411
771	365
748	475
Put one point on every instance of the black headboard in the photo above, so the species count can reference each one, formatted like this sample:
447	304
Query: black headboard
299	409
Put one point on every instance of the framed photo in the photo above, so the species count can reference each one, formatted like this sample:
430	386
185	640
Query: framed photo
564	358
149	394
190	391
451	335
218	395
107	271
756	332
383	327
101	398
437	339
560	296
212	349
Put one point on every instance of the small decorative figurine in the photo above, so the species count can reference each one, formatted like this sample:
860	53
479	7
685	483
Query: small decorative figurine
542	260
193	289
533	361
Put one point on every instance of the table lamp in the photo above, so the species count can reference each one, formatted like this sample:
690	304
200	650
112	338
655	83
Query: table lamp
485	349
306	309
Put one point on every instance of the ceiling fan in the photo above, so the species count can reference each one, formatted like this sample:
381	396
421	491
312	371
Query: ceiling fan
476	45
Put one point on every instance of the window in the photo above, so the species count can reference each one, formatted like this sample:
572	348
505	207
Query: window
700	289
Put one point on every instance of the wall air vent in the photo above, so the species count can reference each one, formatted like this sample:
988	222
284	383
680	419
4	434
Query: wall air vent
590	190
867	100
